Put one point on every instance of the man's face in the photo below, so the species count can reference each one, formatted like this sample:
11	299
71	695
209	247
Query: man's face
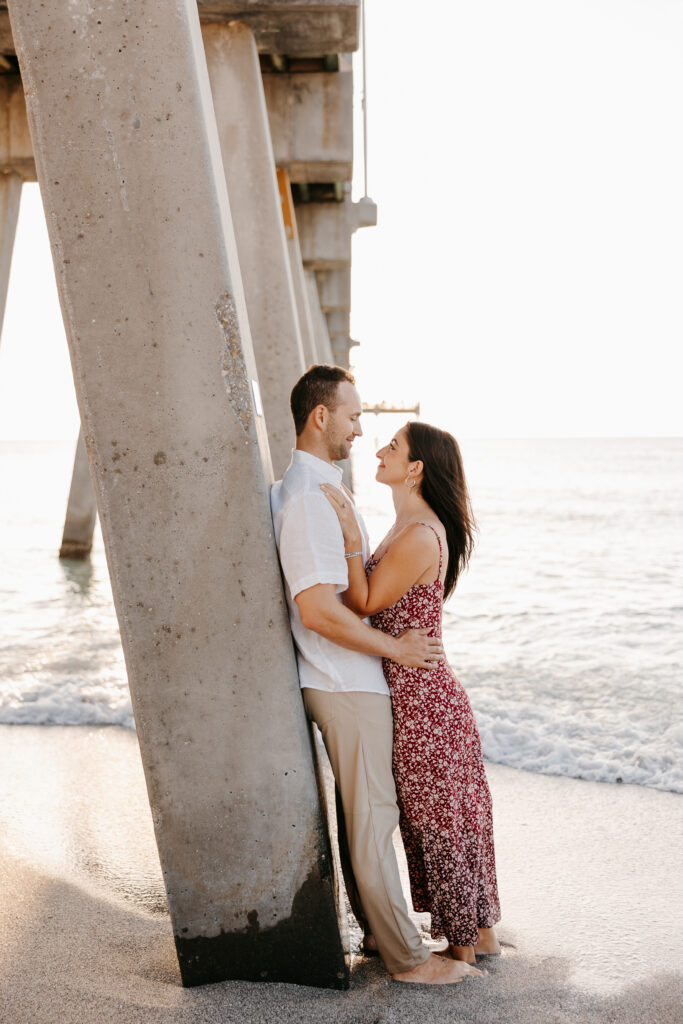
343	425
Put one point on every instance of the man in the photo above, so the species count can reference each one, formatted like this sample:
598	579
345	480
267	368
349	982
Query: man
341	676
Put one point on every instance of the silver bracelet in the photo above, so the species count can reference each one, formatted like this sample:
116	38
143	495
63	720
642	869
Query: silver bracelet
354	554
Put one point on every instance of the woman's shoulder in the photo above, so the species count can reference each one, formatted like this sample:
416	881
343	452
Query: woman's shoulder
422	536
427	529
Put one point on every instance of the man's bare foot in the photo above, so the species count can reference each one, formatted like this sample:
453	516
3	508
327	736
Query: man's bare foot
488	944
464	953
439	971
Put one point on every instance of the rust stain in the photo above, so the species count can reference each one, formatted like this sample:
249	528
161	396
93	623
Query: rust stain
286	202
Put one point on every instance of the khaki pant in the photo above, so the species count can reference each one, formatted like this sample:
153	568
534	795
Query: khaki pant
357	730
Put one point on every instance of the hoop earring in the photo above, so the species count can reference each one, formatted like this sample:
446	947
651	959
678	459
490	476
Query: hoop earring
410	482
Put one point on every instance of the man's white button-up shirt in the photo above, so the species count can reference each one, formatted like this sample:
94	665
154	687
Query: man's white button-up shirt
311	546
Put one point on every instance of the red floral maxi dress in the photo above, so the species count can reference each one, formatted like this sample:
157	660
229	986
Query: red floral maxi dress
443	796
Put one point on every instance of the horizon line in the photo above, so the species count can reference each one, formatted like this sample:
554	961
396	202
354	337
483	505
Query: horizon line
462	437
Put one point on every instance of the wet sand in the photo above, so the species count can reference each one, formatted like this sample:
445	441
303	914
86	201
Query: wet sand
589	876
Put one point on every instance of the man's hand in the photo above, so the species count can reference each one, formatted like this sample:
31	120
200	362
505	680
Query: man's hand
416	649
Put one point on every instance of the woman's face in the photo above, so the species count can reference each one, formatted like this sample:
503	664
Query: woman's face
394	459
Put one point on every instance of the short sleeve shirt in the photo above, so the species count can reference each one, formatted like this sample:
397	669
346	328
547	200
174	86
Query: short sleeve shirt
311	548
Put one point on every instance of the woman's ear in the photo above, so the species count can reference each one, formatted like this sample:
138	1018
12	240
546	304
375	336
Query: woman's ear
416	468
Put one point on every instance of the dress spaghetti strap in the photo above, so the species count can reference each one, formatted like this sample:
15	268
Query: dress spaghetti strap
436	534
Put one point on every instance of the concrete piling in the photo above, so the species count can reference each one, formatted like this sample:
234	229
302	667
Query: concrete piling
129	164
308	338
81	510
318	319
10	197
247	154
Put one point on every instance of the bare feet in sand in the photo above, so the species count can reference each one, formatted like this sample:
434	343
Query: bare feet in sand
465	954
487	945
438	971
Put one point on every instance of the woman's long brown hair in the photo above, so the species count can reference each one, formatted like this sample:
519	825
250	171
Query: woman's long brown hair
444	488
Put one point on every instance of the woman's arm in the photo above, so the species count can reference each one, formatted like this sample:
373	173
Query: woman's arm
407	559
321	611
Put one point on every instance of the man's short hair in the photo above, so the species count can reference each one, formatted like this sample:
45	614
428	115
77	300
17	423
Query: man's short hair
318	386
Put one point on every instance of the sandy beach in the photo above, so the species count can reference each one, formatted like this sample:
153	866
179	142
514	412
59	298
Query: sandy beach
589	876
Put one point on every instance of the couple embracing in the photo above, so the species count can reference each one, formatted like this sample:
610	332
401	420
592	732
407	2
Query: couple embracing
355	673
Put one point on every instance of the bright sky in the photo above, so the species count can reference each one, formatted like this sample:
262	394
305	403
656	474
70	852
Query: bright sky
525	278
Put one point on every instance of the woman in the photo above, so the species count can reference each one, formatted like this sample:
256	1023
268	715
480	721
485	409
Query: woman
443	795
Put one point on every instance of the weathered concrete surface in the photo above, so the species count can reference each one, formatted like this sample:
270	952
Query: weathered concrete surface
337	322
292	26
338	329
334	289
322	338
129	165
310	118
280	26
302	305
341	347
311	124
81	509
247	154
10	197
325	231
16	151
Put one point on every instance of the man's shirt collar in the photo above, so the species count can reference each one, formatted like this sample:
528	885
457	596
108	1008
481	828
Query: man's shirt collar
328	472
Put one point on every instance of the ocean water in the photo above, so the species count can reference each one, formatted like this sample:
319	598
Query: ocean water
567	630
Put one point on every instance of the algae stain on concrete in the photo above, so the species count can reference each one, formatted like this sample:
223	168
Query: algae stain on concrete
303	949
233	367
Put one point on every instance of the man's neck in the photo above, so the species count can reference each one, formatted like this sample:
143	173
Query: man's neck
309	446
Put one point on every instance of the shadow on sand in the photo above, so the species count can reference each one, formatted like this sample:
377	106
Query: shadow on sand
73	956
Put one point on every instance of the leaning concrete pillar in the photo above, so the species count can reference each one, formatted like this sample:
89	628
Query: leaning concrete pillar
129	166
322	337
10	197
249	165
308	339
81	510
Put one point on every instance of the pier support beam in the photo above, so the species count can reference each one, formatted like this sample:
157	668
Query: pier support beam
322	337
81	510
311	123
129	165
10	197
247	154
301	294
308	339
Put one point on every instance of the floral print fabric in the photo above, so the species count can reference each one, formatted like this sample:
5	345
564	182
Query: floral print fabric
443	795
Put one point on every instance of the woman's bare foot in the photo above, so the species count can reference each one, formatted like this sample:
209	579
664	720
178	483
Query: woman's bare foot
464	953
439	971
488	944
369	946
